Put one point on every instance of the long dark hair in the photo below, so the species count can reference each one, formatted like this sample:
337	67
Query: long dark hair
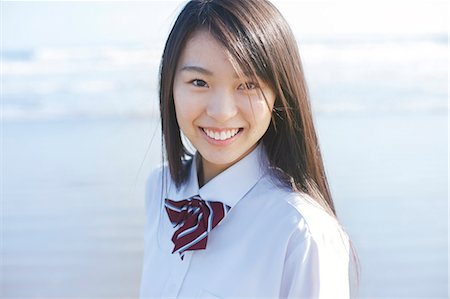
261	43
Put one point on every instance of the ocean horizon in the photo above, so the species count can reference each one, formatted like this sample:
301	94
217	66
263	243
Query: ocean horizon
346	75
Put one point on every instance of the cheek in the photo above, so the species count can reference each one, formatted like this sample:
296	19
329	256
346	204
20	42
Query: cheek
185	109
180	109
258	111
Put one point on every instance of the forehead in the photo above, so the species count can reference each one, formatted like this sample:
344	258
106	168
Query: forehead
203	50
202	46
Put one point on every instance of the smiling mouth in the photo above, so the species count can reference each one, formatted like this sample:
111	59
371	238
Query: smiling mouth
221	135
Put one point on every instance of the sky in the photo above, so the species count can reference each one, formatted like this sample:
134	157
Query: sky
28	24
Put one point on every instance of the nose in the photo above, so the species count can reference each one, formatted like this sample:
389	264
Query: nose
222	106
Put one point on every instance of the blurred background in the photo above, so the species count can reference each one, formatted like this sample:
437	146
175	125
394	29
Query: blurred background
80	133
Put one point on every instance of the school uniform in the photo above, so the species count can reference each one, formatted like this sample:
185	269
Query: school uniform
272	242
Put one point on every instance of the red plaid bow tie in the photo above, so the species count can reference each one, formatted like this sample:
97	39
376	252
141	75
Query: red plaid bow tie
196	218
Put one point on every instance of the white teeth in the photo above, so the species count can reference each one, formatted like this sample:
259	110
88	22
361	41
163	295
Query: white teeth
223	135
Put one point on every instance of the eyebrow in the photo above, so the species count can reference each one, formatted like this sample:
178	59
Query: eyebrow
201	70
196	69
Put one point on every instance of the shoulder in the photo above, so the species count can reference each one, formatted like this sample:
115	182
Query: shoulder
156	179
305	218
318	225
160	174
317	252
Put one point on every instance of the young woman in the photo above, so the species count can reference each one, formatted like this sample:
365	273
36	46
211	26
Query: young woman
249	213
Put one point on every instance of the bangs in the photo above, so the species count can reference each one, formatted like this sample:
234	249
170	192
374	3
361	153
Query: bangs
242	40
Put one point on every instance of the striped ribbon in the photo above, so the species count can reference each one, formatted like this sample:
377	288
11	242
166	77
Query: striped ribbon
195	218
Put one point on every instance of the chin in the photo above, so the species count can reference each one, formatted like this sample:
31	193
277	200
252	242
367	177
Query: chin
219	159
223	158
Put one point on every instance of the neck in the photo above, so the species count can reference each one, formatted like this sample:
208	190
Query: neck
207	171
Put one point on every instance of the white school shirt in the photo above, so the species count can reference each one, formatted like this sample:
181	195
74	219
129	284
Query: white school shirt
273	243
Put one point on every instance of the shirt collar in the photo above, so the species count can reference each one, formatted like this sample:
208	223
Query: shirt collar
233	183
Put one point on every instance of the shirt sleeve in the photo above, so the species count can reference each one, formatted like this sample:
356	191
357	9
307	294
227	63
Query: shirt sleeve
152	195
316	264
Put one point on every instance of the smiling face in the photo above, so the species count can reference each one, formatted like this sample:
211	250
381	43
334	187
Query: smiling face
222	115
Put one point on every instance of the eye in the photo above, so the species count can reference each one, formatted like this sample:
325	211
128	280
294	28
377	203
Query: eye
199	83
248	85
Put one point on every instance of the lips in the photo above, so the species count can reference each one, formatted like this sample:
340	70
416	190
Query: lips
221	135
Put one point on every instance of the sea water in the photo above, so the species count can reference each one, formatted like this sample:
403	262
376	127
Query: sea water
80	134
